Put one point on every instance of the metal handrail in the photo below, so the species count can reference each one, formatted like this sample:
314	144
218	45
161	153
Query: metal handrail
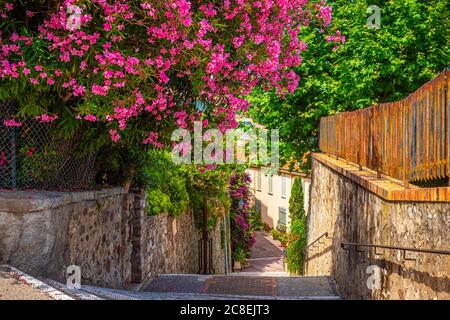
323	235
433	251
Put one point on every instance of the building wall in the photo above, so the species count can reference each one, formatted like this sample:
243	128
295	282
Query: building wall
351	213
271	203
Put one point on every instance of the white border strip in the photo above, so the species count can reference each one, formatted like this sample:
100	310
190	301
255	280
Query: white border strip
34	283
76	294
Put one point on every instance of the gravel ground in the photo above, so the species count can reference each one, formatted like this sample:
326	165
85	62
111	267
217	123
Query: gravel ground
13	289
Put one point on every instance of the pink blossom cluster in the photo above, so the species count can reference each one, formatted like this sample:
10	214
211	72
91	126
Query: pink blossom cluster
44	118
12	123
337	38
239	193
152	139
3	159
137	58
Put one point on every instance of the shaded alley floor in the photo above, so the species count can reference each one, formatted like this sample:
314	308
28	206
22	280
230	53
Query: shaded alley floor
266	255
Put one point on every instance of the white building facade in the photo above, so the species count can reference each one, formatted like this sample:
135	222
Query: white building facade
272	192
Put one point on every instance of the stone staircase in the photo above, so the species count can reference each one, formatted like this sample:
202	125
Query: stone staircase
221	287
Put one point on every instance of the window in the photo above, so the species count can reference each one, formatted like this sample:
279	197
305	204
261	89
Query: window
258	206
283	187
258	187
270	184
282	216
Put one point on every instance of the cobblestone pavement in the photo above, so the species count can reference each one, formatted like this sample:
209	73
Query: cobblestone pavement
244	286
266	255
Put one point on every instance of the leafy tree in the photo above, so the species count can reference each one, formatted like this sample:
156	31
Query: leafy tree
133	71
373	66
296	201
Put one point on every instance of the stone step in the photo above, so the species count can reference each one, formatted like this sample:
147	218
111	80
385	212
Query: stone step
113	294
260	274
214	287
251	286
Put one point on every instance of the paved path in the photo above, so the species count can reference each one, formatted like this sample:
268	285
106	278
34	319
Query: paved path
266	254
239	287
13	289
215	287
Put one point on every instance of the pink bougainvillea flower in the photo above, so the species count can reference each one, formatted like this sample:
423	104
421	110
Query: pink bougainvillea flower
3	159
135	59
115	136
12	123
152	138
107	27
30	151
100	90
45	118
9	6
90	118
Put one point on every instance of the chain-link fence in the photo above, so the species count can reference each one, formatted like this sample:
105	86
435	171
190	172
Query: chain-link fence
32	157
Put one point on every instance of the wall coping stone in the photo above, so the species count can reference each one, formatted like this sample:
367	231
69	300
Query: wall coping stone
385	187
36	200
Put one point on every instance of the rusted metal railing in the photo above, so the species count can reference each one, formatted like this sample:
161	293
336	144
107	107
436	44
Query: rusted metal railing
325	235
407	140
346	245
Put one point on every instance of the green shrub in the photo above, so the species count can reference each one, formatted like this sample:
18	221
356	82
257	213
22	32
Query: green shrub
295	252
165	183
280	233
158	202
255	220
241	256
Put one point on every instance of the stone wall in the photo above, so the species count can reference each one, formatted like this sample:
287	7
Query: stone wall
350	213
107	233
42	233
163	244
218	250
167	245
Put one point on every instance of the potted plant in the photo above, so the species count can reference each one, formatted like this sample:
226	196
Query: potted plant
281	234
240	259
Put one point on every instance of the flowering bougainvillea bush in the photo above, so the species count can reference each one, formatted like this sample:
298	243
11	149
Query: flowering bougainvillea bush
142	68
242	237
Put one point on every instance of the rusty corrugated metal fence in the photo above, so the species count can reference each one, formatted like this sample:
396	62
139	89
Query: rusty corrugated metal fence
407	140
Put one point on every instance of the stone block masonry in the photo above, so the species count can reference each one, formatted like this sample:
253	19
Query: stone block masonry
162	244
42	233
107	233
349	212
